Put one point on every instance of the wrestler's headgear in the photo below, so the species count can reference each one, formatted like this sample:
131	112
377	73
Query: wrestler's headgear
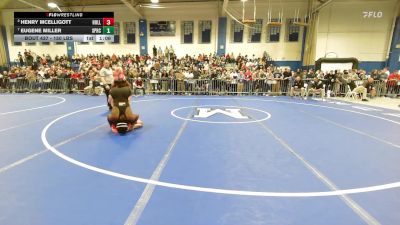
119	74
122	127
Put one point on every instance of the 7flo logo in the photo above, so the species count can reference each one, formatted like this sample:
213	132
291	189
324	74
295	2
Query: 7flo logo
373	14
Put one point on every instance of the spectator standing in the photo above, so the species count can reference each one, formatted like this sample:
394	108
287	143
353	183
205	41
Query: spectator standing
107	79
276	85
381	84
180	82
393	79
166	52
154	51
286	79
3	78
20	59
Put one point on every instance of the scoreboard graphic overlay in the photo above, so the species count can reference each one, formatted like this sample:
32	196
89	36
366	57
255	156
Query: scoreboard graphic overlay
63	26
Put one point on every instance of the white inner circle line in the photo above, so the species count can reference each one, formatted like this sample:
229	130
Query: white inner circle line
217	190
173	113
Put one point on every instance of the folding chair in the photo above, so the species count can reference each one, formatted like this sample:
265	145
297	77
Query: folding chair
350	93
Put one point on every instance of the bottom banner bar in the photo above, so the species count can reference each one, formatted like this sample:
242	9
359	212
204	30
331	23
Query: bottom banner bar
63	38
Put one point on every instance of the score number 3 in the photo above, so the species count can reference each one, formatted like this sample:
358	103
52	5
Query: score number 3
108	21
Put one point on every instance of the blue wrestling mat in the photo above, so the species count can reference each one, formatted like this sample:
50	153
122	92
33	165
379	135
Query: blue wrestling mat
198	161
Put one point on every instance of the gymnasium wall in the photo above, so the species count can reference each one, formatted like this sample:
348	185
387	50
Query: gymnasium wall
185	12
279	51
344	32
178	13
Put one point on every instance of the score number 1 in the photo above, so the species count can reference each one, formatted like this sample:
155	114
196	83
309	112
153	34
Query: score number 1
108	26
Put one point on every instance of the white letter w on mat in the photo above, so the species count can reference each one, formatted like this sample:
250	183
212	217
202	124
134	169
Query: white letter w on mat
207	112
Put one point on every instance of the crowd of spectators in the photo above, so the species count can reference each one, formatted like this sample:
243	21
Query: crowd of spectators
236	72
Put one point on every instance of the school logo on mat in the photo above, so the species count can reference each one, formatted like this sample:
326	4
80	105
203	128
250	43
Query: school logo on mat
220	114
231	112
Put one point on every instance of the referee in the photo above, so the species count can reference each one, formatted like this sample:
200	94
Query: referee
107	79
